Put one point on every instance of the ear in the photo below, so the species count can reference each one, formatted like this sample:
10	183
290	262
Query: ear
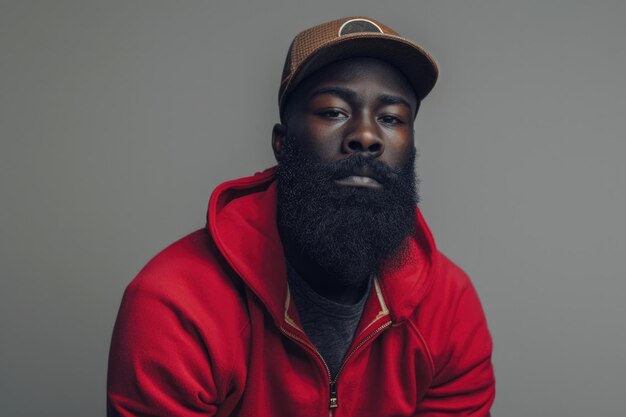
279	135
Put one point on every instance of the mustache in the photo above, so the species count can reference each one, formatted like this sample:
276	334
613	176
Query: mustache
359	165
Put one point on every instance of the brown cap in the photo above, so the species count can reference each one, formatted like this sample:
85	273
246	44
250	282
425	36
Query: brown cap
356	37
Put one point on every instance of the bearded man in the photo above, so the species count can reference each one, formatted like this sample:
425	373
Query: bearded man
316	288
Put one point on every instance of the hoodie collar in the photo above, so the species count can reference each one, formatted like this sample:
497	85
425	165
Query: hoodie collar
242	221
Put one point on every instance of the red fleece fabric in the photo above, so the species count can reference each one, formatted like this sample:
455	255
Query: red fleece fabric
208	328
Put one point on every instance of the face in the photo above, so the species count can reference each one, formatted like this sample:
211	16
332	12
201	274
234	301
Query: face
346	179
355	106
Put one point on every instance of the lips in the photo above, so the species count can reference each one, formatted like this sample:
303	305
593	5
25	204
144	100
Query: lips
363	179
358	181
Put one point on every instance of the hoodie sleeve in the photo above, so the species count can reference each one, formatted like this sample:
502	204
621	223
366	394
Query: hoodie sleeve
160	362
463	382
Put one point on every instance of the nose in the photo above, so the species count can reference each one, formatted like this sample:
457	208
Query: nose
364	138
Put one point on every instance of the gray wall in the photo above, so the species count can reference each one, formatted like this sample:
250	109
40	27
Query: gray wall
118	118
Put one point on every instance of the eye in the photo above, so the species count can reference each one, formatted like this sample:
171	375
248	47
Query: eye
333	114
391	120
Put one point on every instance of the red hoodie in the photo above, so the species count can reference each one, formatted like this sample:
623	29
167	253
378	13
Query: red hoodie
207	328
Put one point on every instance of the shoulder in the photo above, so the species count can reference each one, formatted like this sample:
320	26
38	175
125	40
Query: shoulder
449	285
181	332
190	276
451	310
449	281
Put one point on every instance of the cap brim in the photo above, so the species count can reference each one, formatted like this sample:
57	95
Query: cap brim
419	68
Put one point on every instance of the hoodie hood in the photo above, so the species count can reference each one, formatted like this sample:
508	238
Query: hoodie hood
241	219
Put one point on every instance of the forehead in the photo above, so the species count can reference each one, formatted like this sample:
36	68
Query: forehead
363	75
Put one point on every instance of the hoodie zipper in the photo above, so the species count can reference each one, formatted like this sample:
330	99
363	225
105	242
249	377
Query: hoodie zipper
334	398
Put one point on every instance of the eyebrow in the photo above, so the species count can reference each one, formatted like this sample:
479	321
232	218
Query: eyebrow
350	95
390	100
344	93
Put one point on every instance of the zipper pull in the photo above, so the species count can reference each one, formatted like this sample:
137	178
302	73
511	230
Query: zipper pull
334	401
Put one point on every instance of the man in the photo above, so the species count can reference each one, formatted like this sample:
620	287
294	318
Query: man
316	288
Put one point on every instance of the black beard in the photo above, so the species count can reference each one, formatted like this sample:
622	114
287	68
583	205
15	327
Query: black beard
348	232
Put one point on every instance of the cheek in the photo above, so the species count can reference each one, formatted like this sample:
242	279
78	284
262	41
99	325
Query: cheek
321	141
397	151
323	151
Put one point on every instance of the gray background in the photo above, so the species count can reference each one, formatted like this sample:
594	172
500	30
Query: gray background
118	118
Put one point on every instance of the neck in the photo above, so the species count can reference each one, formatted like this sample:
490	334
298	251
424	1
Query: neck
320	281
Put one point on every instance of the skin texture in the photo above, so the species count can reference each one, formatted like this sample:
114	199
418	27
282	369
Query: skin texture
348	107
358	106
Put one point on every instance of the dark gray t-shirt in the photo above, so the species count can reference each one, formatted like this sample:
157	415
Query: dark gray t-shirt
329	325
